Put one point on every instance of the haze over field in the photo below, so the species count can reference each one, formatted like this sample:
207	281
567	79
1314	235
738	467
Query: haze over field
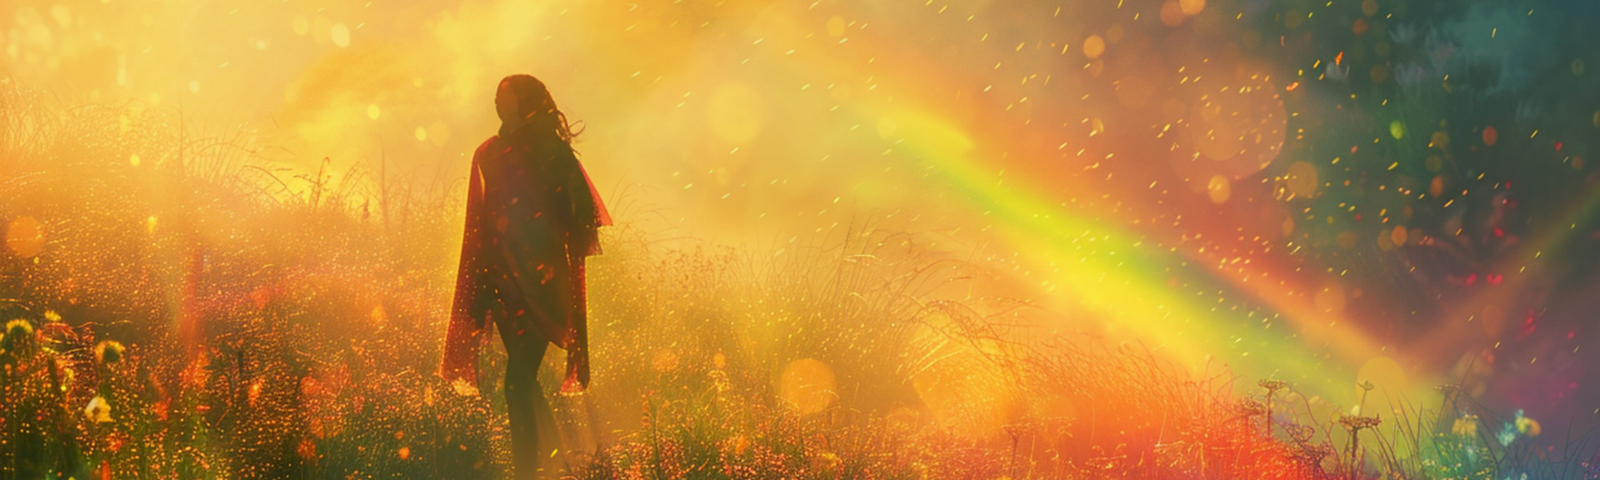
1393	191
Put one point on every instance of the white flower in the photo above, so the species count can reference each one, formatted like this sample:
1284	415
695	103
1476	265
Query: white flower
464	388
98	410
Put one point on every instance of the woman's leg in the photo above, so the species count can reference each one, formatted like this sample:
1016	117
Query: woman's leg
531	419
532	423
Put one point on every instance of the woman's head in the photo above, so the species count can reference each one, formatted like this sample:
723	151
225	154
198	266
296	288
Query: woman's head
523	100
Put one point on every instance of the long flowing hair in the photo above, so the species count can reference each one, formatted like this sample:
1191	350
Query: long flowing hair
535	104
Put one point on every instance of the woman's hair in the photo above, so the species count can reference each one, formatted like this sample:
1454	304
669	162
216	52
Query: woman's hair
535	104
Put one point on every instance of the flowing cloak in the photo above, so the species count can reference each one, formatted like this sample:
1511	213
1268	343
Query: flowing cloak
530	208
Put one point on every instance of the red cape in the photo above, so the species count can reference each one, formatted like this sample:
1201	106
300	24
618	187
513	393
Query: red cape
464	339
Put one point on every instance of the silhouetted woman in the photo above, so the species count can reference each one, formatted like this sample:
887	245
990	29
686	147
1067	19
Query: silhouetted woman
532	215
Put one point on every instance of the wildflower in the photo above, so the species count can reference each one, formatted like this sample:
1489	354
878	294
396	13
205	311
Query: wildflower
664	361
1527	426
115	441
254	393
1357	422
464	388
52	316
1508	434
67	375
16	335
826	462
1250	407
98	410
108	352
719	380
1465	426
1521	425
739	444
306	449
903	421
1313	454
1273	385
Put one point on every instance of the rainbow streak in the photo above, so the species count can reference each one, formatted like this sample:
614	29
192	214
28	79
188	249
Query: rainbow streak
1118	276
1113	273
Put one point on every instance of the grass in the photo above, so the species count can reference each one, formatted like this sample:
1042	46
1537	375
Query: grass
274	327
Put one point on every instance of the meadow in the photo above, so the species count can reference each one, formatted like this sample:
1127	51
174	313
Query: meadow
175	307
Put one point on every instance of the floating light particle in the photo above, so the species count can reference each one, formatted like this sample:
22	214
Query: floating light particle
1397	129
1385	376
835	26
1172	13
1398	235
664	360
1192	7
807	385
340	35
1369	7
422	134
1490	136
301	26
373	111
886	127
150	224
736	112
1439	140
133	160
439	133
1293	18
25	237
1219	189
1094	46
1577	67
62	14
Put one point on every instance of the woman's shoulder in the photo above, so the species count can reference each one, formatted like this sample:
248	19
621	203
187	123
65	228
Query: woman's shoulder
486	145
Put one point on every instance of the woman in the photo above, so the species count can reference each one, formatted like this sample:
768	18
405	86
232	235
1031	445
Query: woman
532	216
